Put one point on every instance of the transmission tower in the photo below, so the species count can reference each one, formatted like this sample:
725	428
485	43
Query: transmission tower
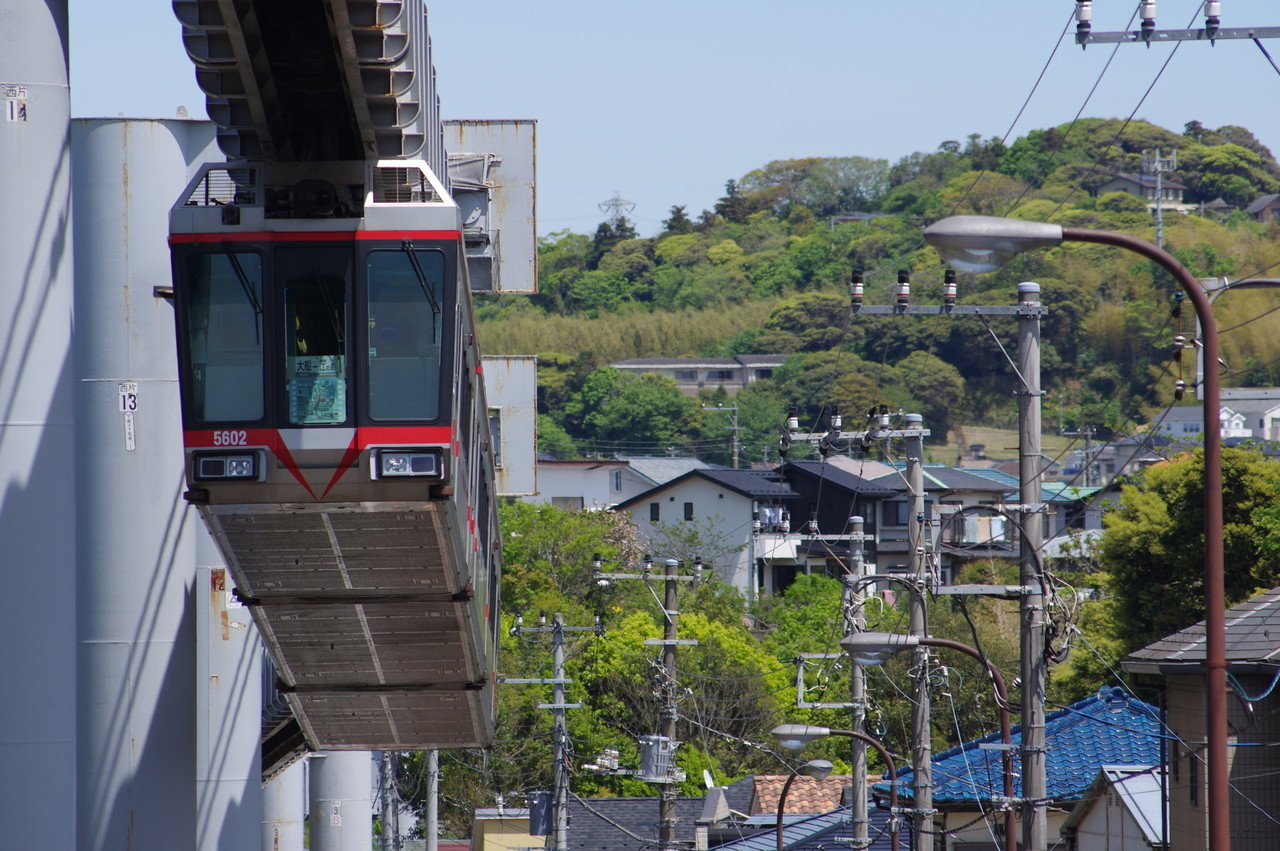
616	207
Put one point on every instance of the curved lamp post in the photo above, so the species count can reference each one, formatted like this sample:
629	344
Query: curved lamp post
873	648
815	768
983	244
796	736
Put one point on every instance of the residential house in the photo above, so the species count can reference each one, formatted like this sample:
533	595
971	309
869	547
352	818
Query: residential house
1103	462
502	829
1107	729
1265	209
821	832
816	534
601	483
1241	418
1216	209
1124	809
660	469
1176	663
817	816
951	494
1144	186
616	824
692	374
717	504
593	484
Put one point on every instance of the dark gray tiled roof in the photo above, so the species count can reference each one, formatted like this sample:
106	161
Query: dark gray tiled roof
1261	203
823	832
758	484
602	824
1253	636
838	477
755	484
938	477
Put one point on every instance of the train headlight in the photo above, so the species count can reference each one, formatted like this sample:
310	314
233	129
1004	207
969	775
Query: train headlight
396	463
242	466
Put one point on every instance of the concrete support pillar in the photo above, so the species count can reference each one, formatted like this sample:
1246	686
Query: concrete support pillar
342	801
37	446
284	804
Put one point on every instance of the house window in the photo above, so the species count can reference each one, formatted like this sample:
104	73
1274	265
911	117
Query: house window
617	481
686	375
719	375
654	511
894	513
764	373
1190	428
688	511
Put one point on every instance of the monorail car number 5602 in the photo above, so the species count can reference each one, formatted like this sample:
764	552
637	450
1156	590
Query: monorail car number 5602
230	438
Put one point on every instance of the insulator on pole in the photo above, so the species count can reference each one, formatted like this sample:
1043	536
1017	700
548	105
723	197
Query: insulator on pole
856	288
904	287
949	287
1147	11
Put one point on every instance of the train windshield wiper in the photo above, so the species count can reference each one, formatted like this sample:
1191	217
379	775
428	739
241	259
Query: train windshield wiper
249	294
407	248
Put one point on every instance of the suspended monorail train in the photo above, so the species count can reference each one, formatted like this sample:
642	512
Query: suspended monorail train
337	440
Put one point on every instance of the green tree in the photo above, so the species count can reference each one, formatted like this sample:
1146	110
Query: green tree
807	322
677	222
1154	542
632	411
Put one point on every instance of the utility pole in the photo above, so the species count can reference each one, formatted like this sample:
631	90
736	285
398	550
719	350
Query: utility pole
1029	313
733	428
921	706
1157	166
1034	665
1085	431
560	731
855	621
389	800
669	711
433	799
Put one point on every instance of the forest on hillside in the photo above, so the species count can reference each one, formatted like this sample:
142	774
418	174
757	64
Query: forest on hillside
766	271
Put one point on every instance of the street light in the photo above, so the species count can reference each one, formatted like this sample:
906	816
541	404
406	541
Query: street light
873	648
818	769
796	736
983	244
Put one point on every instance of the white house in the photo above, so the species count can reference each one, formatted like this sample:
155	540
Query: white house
716	506
1245	418
1123	810
589	485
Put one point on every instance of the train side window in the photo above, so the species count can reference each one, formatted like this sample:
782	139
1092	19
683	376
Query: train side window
315	335
404	295
224	309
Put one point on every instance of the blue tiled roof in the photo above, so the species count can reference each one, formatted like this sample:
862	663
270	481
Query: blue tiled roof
1081	739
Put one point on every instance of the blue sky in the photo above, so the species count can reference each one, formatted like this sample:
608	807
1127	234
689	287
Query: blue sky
665	101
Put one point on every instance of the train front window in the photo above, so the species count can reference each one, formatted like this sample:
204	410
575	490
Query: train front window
404	333
224	328
314	283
